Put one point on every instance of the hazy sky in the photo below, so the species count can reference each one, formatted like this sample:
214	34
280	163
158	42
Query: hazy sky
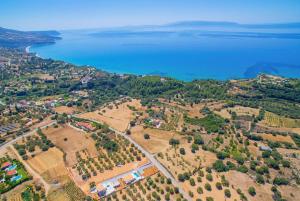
73	14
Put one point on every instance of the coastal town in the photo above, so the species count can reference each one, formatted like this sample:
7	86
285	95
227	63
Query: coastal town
78	133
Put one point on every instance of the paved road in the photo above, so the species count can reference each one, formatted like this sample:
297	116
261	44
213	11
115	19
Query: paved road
7	144
28	168
153	160
32	172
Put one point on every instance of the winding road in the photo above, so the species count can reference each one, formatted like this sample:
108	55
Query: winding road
152	159
31	171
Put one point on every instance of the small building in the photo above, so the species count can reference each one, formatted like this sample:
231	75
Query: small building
116	184
128	179
264	148
5	165
12	172
101	190
85	126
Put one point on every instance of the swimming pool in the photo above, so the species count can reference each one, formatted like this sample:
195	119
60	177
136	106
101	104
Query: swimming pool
12	167
16	178
136	175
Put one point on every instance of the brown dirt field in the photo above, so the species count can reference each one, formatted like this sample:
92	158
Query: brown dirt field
76	141
280	129
277	138
117	118
288	191
49	164
287	154
243	181
240	111
42	123
65	109
218	195
159	139
177	163
58	195
84	185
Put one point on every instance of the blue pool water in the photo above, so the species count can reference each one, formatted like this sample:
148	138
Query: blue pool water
12	167
180	53
16	178
136	175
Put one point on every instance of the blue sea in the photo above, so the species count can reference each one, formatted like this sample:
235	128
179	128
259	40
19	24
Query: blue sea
182	52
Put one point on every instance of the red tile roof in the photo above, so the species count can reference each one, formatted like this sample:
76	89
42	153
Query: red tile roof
11	172
86	125
6	164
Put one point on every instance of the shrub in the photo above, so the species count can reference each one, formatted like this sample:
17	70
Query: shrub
251	191
242	169
192	182
182	151
209	177
146	136
173	142
260	179
230	165
219	186
209	199
207	186
181	177
280	181
227	193
200	190
219	166
169	181
286	163
222	155
198	140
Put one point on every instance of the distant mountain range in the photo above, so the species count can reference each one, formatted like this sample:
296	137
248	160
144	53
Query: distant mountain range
205	28
234	24
20	39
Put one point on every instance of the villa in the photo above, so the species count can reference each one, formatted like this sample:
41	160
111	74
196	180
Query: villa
85	126
11	172
128	179
5	165
101	190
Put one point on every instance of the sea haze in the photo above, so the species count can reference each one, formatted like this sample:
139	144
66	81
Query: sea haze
184	50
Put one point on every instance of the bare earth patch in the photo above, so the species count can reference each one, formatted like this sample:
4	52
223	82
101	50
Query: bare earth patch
277	138
71	141
65	109
49	164
159	139
263	192
117	117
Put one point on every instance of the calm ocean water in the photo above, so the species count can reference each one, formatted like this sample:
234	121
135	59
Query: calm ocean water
184	54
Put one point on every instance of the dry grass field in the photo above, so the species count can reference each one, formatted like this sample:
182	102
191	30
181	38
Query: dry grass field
274	120
216	194
49	165
277	138
159	139
177	163
65	109
239	110
117	116
243	181
70	141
